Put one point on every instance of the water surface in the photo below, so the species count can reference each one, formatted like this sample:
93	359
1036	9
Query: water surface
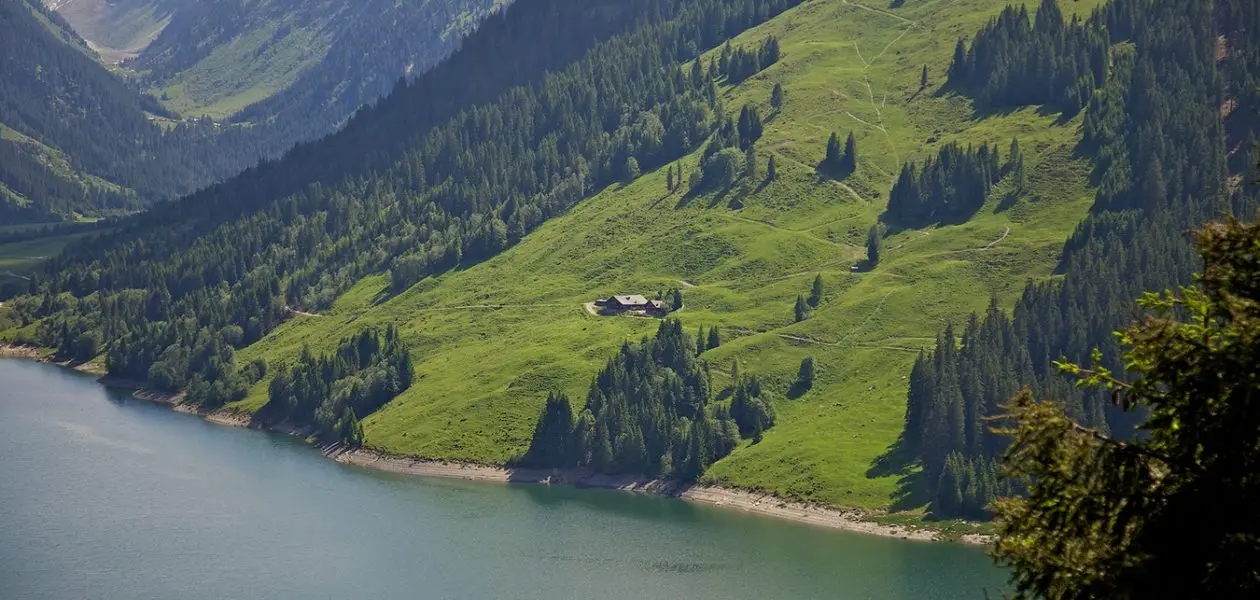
104	496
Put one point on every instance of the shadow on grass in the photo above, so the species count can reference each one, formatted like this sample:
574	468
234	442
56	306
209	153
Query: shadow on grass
899	460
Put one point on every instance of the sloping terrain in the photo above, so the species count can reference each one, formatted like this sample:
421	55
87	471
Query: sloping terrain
491	341
118	29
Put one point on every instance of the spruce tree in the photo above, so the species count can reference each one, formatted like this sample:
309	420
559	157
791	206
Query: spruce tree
700	340
805	375
750	163
874	245
816	292
1158	515
849	163
772	171
715	338
923	79
669	179
833	150
801	310
776	97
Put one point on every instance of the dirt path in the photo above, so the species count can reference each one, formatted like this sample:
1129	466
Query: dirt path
994	242
294	311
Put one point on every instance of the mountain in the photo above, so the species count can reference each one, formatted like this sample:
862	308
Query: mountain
422	282
118	29
102	148
291	70
74	138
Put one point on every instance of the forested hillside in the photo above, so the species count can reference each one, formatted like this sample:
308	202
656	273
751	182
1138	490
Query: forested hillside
283	71
290	70
76	139
1163	159
817	189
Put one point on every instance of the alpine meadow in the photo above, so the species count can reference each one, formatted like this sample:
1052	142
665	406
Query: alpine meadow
868	227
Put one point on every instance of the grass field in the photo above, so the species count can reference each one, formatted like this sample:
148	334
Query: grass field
22	257
490	341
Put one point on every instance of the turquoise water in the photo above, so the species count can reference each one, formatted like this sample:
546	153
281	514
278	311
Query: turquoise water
103	496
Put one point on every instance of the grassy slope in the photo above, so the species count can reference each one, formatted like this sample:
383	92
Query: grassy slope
483	371
248	69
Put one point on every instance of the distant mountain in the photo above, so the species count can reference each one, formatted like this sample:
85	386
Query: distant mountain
299	67
74	138
78	139
118	29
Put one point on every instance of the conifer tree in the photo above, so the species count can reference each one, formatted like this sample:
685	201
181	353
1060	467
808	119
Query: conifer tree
715	338
805	375
700	341
874	245
750	163
772	171
801	310
849	164
1105	517
669	179
923	79
776	97
833	150
816	292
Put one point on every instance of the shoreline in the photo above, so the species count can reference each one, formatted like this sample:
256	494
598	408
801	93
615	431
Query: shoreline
758	503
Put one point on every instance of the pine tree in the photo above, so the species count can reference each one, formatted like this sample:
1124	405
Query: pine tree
923	79
715	338
676	299
874	245
1108	518
805	375
700	339
801	310
772	171
750	163
669	179
833	150
776	97
816	292
849	163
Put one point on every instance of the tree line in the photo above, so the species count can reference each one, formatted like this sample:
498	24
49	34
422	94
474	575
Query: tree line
465	180
332	392
649	412
1016	61
1157	136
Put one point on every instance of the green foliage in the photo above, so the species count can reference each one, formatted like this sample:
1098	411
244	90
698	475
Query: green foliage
834	155
721	169
1013	61
752	408
329	392
874	245
776	97
801	310
1169	513
816	292
772	170
805	375
739	64
645	414
949	188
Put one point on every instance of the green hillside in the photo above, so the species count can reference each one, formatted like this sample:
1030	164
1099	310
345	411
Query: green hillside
491	340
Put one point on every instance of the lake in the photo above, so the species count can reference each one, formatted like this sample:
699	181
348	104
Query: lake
105	496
